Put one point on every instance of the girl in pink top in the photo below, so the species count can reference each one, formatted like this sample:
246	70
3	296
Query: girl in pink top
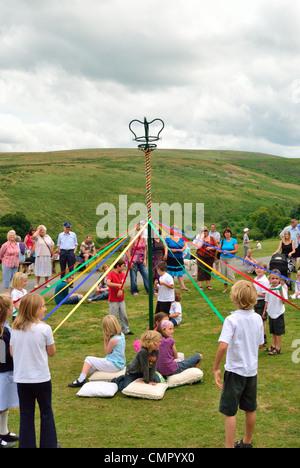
166	363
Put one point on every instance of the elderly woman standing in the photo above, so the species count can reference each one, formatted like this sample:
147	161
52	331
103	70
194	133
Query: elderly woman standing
9	255
43	253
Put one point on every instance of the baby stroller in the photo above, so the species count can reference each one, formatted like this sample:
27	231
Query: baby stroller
284	265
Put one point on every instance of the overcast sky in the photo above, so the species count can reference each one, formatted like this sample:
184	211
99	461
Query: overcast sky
220	74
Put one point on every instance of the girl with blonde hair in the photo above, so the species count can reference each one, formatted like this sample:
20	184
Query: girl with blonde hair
18	285
143	366
30	345
114	347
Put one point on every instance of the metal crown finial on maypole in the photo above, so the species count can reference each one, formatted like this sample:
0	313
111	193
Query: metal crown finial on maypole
147	145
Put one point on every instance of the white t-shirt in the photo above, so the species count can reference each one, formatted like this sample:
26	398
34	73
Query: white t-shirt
166	294
174	309
16	295
264	282
29	353
275	306
243	332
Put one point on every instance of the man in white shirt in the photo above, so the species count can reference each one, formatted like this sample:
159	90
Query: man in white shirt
67	246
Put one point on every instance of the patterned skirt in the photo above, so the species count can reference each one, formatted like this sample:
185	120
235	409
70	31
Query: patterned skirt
42	266
175	266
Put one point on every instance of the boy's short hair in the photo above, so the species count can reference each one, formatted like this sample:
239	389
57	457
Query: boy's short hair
275	272
120	263
261	264
244	295
162	266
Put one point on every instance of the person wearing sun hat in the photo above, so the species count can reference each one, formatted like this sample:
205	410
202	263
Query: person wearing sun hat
66	246
246	242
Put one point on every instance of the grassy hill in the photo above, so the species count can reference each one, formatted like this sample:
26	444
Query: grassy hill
69	185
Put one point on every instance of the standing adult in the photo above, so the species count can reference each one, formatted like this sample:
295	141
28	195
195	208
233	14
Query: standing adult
286	245
213	232
229	247
43	254
138	258
175	262
295	236
9	255
159	253
205	257
246	242
30	248
66	246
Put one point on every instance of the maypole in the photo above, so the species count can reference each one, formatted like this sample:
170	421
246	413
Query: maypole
147	146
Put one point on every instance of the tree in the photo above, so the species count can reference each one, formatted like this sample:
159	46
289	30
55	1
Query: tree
16	221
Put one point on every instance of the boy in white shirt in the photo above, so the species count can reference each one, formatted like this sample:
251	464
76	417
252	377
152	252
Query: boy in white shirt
242	336
274	306
262	279
165	288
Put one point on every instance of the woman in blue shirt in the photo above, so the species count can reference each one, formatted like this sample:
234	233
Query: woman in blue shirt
229	247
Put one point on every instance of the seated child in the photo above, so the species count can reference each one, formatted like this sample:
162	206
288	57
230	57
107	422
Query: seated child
157	318
166	364
296	294
248	262
62	291
175	313
114	347
143	366
101	291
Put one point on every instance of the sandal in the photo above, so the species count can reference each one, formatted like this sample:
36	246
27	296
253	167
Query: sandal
209	287
275	351
270	349
240	444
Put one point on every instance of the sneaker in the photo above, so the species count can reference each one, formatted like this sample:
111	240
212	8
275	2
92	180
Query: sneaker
76	384
4	444
129	333
10	437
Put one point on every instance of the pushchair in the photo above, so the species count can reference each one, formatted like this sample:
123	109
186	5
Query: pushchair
284	265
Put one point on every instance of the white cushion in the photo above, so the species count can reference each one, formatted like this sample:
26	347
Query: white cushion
98	389
105	376
142	390
188	376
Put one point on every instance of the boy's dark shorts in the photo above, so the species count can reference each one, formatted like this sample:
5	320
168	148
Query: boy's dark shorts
277	326
238	392
259	308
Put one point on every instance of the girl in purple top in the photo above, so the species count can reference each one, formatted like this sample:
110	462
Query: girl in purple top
166	364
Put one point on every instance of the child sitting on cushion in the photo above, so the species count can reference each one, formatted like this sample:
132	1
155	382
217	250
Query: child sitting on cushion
143	366
166	364
114	347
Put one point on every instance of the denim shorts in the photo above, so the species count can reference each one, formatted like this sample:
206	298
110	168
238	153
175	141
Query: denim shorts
8	274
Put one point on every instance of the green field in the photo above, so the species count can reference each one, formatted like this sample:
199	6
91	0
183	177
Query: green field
51	188
187	417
